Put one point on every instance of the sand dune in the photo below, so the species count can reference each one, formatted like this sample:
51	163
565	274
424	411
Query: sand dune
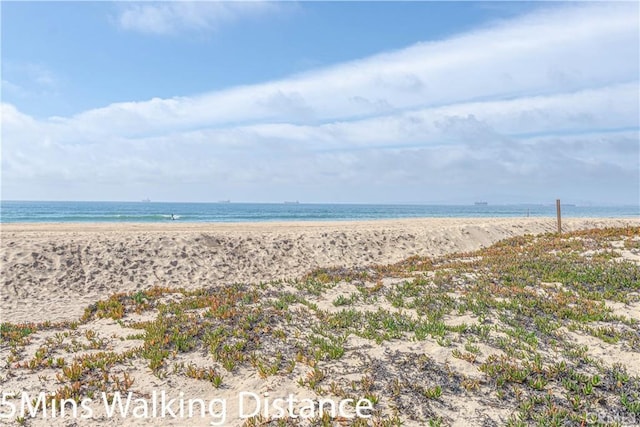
52	271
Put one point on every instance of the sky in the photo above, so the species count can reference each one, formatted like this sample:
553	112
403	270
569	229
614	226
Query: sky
348	102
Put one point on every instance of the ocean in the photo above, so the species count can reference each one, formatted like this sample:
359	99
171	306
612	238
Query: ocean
20	211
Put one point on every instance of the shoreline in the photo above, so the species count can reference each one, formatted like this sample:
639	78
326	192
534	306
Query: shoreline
18	226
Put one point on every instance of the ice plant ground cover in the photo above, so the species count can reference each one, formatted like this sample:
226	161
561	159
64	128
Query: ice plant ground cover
532	330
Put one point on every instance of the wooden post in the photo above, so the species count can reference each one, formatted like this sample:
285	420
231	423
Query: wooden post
559	216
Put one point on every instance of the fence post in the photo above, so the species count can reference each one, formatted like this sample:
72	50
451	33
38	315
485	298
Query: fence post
559	216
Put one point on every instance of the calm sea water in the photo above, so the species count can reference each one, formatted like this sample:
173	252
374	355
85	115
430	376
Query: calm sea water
13	211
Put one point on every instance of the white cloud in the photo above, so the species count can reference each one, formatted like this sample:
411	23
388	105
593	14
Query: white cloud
166	18
532	108
539	54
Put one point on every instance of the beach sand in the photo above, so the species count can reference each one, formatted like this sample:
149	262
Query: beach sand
53	271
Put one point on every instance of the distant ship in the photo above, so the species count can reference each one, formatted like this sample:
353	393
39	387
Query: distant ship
147	200
224	201
291	203
481	203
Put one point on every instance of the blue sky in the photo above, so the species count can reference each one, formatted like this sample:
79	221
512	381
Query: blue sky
321	101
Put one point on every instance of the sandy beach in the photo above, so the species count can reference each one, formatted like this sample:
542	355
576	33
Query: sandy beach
53	271
243	315
319	214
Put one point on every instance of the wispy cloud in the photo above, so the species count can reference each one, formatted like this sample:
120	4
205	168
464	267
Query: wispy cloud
39	79
535	55
528	110
168	18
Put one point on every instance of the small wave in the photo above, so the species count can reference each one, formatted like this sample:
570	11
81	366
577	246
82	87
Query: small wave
172	216
91	218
